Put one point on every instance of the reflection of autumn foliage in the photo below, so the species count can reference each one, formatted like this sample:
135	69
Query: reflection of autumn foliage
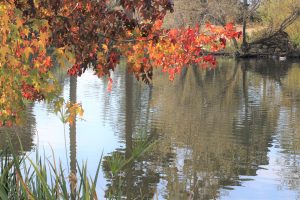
91	34
21	137
218	129
212	126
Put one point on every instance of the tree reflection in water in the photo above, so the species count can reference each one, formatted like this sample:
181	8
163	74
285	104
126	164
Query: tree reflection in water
72	129
214	126
214	130
21	137
139	178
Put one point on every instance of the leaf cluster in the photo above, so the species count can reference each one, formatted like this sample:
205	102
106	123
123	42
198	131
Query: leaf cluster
91	34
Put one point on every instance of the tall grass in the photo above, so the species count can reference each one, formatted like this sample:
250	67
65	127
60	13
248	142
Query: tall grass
21	177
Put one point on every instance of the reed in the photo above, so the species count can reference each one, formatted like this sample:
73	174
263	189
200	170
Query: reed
22	177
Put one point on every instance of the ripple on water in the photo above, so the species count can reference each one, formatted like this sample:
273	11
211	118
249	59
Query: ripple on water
216	130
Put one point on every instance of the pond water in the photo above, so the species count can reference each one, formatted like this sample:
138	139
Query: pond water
228	133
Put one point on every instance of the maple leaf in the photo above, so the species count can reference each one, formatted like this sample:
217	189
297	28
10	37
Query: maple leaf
47	61
27	51
105	48
44	37
19	22
25	31
229	26
158	24
4	50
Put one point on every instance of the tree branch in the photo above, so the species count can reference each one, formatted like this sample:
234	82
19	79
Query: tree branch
290	19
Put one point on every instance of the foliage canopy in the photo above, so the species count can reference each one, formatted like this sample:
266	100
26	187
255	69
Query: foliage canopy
91	34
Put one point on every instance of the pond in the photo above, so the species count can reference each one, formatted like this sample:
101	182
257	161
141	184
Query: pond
232	132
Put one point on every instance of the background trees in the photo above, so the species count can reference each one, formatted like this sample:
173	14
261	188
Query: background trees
264	17
282	15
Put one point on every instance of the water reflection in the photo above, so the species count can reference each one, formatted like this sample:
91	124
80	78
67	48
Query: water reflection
218	125
216	129
72	131
19	138
139	178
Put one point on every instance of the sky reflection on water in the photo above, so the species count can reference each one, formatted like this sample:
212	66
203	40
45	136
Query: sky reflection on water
229	133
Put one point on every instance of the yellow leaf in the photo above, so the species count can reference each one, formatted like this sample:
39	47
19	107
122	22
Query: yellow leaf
104	47
26	32
19	22
80	111
44	37
4	50
27	51
13	61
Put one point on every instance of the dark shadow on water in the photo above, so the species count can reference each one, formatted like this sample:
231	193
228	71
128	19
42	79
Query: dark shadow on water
20	138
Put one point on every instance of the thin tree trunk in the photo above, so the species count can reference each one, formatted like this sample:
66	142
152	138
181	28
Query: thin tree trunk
245	23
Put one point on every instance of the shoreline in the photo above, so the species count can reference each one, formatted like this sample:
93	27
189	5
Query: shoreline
292	55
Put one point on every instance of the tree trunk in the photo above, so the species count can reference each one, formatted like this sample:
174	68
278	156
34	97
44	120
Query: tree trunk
244	24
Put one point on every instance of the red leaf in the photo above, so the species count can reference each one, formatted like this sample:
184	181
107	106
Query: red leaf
109	85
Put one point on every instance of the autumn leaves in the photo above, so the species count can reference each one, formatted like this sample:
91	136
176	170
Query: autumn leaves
94	34
25	65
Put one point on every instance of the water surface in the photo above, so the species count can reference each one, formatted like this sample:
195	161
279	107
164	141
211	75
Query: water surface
228	133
